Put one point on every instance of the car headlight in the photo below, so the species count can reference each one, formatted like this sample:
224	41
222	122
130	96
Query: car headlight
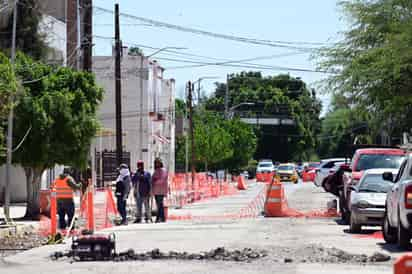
363	204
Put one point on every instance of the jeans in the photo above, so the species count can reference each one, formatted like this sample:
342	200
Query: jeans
121	207
65	207
140	201
160	208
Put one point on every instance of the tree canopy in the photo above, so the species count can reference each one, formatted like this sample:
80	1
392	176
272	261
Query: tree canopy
280	96
56	108
372	65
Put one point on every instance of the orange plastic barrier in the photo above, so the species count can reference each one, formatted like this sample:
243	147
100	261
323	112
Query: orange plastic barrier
274	200
241	185
403	265
276	205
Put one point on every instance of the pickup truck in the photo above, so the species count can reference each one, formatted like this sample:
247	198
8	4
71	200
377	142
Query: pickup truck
364	159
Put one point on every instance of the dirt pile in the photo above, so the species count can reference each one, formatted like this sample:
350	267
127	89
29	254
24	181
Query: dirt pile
17	241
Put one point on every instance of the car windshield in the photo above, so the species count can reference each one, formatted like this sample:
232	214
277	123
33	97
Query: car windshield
265	165
285	168
374	183
314	165
369	161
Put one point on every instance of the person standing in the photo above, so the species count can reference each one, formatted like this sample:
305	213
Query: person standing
160	188
65	186
122	191
142	190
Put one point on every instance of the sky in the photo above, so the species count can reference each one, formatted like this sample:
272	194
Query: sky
318	21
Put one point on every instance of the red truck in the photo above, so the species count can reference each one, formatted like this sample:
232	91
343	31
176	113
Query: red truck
364	159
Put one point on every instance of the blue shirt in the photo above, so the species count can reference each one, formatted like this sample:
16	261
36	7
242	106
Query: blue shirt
143	182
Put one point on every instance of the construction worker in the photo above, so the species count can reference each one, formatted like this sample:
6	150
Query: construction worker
65	186
122	191
142	185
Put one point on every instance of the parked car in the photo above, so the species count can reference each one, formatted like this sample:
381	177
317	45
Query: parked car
309	172
397	224
323	171
287	172
368	197
265	167
364	159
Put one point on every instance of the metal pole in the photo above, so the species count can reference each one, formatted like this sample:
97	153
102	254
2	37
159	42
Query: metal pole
198	91
192	135
88	37
227	97
118	83
78	44
140	112
10	122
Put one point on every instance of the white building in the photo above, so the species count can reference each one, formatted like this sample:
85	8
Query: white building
147	110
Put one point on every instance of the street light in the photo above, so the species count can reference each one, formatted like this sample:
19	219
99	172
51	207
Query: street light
199	81
231	110
163	49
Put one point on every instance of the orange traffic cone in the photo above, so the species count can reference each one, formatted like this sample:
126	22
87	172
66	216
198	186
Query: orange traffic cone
274	200
241	185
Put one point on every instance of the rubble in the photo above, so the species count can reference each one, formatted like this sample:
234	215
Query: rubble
14	242
218	254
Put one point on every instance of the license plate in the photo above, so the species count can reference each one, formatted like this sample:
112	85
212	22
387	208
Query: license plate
285	178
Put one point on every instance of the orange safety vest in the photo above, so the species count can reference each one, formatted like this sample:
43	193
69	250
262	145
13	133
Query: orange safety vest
62	188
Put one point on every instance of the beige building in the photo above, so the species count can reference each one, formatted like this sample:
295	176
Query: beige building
147	110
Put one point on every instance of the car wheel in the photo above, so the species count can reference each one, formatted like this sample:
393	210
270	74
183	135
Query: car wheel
404	237
389	233
353	226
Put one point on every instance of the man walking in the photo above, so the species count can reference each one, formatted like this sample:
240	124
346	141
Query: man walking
122	191
142	190
65	186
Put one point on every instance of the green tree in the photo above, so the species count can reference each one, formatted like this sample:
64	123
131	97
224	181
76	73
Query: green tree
59	105
212	141
372	65
8	87
243	143
275	96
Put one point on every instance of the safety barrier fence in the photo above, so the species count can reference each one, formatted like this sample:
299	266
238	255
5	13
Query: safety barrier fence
96	208
183	191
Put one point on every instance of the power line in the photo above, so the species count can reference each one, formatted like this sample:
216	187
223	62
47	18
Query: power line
227	62
277	44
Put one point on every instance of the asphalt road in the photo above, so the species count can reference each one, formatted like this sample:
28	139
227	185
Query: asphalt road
294	245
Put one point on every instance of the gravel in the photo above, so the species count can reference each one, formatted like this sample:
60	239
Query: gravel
320	254
13	243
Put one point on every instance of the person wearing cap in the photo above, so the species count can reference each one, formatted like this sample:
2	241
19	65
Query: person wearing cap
65	186
159	188
122	191
142	185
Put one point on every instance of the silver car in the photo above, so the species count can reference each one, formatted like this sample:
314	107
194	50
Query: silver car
367	204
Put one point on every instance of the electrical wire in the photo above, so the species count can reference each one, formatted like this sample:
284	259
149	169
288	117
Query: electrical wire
155	23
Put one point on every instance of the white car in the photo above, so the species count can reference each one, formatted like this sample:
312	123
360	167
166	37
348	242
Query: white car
324	169
397	224
265	167
368	197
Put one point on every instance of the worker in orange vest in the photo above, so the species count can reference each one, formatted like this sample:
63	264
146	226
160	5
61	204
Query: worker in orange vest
65	186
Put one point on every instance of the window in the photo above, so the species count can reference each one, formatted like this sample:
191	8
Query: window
369	161
401	169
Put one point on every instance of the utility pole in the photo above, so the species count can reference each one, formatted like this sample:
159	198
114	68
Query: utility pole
118	86
87	43
191	131
227	97
198	92
10	122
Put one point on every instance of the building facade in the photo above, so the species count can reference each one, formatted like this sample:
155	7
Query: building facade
148	112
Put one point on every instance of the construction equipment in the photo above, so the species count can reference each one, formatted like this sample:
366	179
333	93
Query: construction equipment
94	247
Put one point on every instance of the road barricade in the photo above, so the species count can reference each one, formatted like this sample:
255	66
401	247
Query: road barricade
274	199
403	265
